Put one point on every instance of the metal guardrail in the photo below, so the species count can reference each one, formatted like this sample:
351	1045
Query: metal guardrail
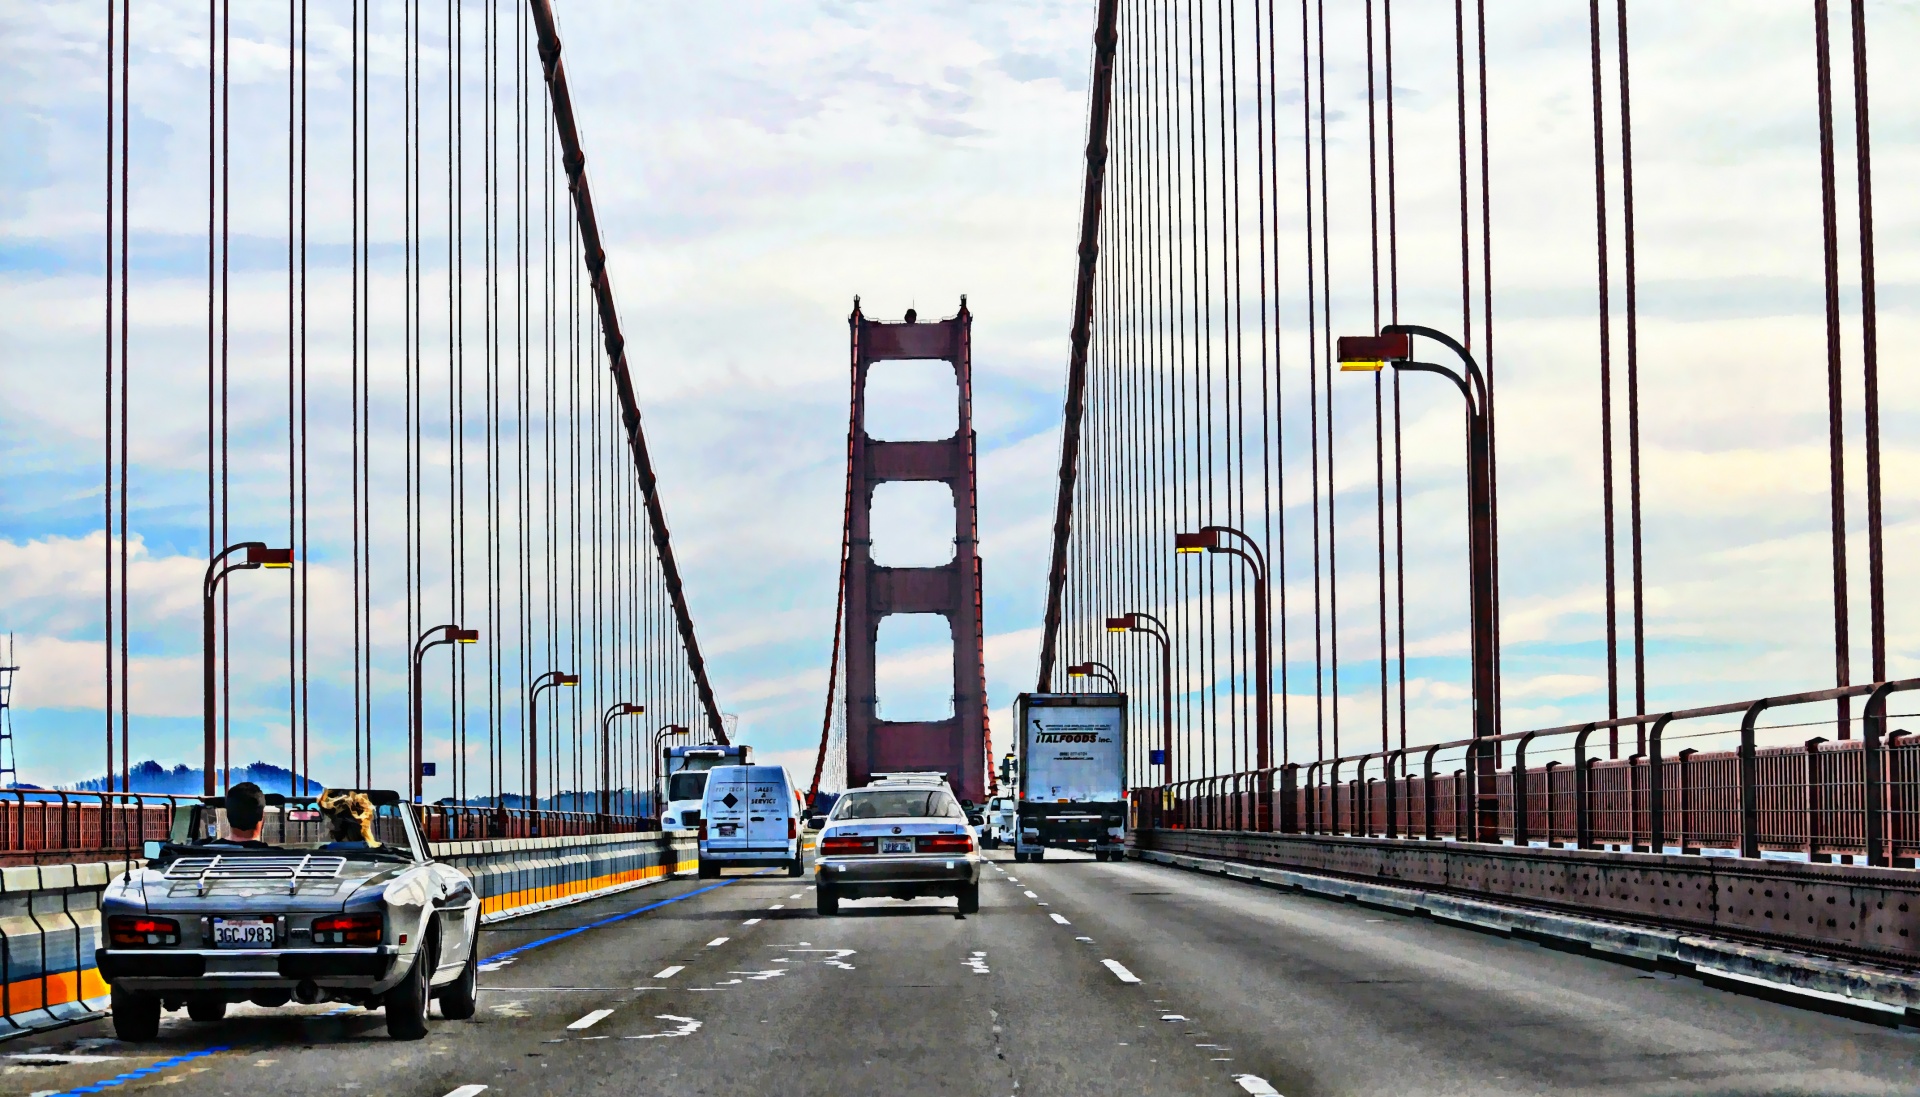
54	826
1856	798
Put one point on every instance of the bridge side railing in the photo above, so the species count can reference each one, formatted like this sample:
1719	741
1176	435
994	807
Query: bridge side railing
1819	798
56	826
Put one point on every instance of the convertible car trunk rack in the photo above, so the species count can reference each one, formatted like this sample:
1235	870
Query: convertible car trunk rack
222	868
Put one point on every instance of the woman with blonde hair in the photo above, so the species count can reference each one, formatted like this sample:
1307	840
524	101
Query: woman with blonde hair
350	817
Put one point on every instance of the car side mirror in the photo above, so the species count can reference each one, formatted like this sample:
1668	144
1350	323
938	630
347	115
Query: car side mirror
976	819
815	822
151	850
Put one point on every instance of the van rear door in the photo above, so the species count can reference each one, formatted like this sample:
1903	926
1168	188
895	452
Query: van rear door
772	807
726	808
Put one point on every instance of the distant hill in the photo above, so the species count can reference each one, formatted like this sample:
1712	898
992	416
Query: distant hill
151	776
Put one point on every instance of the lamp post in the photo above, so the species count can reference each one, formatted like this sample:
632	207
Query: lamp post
660	737
544	682
1394	346
1091	669
1208	539
1150	625
258	556
622	708
432	638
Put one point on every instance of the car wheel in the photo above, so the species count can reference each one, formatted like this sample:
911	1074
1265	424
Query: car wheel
206	1008
406	1004
797	866
457	998
136	1016
708	870
826	900
1040	854
970	899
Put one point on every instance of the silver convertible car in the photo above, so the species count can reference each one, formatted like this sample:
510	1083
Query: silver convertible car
291	916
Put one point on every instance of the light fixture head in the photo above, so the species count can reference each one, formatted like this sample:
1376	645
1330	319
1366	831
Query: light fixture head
1202	541
261	556
1368	353
1122	623
458	635
1079	670
568	680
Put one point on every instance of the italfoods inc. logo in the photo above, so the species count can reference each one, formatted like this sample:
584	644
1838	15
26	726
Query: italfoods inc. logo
1070	737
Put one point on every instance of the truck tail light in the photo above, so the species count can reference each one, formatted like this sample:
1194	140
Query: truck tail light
944	843
139	931
703	830
832	846
347	929
793	830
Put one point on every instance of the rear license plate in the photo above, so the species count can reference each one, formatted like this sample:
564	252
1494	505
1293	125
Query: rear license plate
242	933
727	830
896	845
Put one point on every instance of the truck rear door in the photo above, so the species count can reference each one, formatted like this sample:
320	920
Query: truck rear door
726	807
771	807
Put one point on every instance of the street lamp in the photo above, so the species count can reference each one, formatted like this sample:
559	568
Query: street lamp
621	708
258	556
1394	346
1100	671
1208	539
1147	623
660	736
545	681
432	638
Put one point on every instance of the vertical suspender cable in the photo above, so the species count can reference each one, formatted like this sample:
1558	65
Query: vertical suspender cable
1869	344
1836	426
1606	382
1633	381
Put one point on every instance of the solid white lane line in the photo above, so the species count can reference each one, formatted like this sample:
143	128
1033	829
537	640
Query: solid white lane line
1257	1085
591	1019
751	922
1120	971
468	1091
670	972
717	942
1059	919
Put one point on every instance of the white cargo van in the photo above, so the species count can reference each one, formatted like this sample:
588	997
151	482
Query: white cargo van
750	818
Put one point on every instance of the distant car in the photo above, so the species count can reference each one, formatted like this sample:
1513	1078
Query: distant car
750	818
897	839
1000	822
296	918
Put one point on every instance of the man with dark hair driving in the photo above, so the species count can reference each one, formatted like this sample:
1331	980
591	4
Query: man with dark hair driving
246	814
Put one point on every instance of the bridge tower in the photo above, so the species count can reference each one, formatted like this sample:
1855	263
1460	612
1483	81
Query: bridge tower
956	745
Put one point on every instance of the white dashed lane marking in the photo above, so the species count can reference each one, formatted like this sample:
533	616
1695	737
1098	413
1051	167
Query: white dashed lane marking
670	972
1031	895
717	942
590	1019
748	922
1059	919
1120	971
779	906
468	1091
1257	1085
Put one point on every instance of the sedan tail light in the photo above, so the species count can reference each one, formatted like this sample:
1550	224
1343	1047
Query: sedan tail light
139	931
944	843
347	929
832	846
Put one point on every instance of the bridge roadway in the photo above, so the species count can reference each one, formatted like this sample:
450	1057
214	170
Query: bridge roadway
740	988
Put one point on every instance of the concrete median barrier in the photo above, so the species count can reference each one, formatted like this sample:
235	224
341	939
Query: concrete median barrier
50	914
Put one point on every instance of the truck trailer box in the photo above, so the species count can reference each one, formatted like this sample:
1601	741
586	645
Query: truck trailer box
1072	773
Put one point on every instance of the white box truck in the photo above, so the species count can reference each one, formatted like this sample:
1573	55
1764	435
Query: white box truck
1071	776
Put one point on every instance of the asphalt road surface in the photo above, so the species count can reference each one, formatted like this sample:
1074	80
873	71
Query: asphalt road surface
1076	978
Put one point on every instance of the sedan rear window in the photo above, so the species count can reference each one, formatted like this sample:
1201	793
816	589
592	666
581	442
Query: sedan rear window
900	804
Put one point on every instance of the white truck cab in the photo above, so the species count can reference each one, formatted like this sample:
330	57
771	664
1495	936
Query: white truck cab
750	818
685	767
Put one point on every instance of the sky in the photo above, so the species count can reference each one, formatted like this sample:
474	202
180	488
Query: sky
756	167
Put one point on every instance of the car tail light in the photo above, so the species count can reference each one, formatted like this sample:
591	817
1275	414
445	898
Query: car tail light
347	929
831	846
139	931
792	832
944	843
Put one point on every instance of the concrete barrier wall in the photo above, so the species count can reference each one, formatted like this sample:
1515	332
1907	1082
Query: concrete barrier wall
50	914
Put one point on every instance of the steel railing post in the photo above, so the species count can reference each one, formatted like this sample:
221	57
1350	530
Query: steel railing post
1656	787
1750	782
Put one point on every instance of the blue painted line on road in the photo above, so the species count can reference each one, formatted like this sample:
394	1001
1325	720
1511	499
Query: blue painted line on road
143	1072
623	916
